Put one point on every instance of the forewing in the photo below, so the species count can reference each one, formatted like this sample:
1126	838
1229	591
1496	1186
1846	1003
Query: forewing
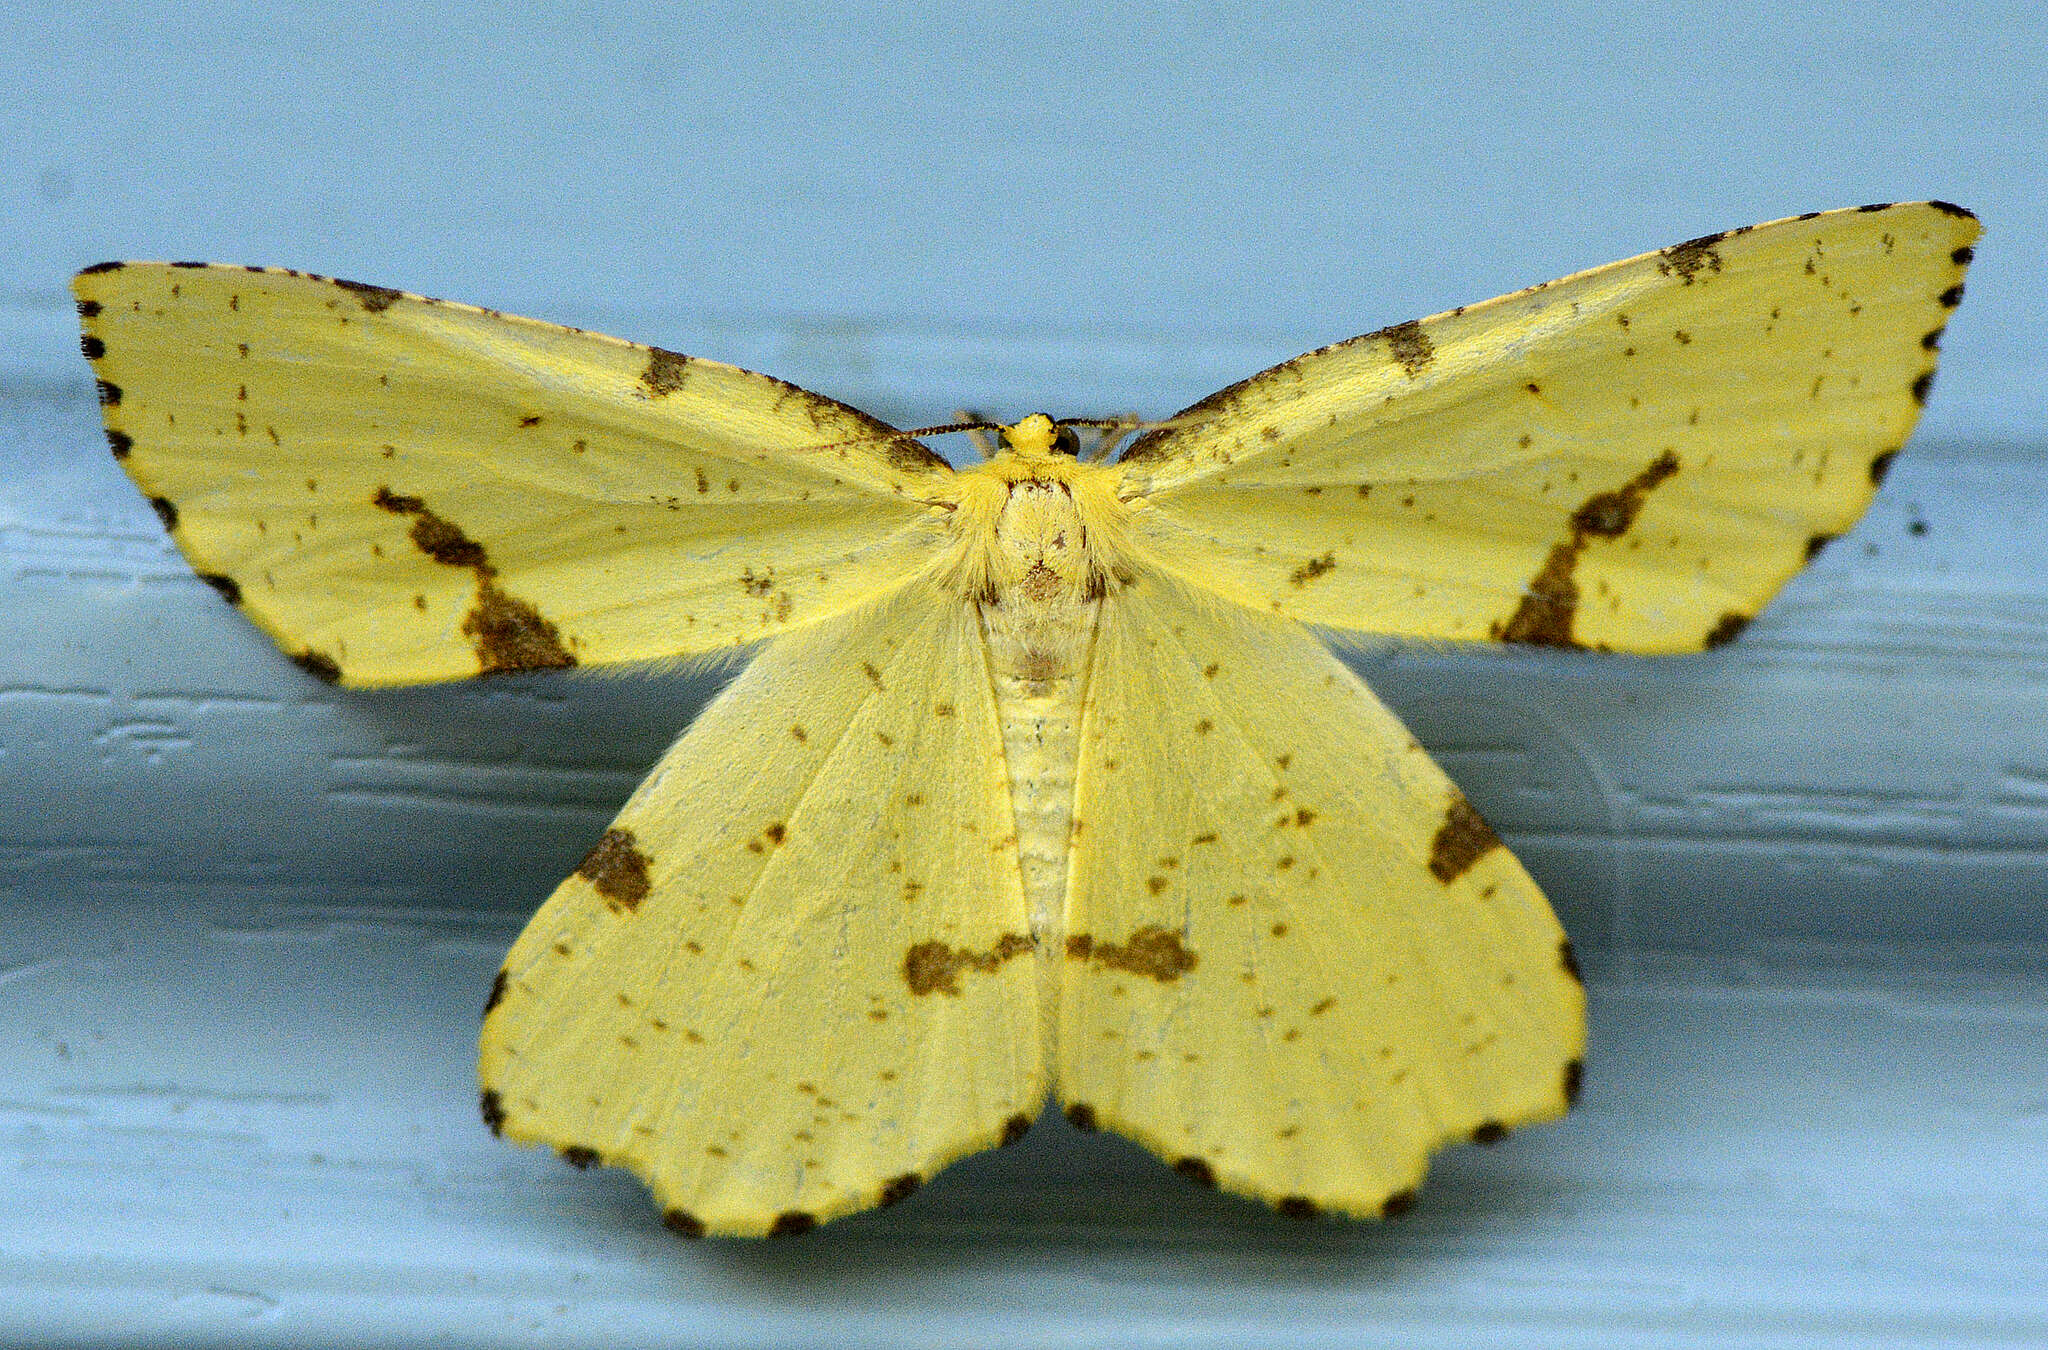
1299	962
794	978
1635	457
400	489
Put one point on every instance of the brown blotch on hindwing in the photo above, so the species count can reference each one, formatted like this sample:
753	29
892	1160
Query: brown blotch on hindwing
1151	951
1545	615
934	967
683	1223
1408	344
1818	542
497	993
374	299
1569	959
1881	466
579	1157
1462	840
617	870
166	513
1082	1117
1297	1207
1490	1133
665	373
1397	1204
1197	1171
1574	1079
120	442
791	1222
1015	1128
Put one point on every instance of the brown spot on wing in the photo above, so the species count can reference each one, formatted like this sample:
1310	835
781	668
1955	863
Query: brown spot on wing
1689	259
492	1107
1014	1129
374	299
1727	630
901	1188
120	442
1574	1079
497	993
510	634
1492	1132
1881	466
1545	615
579	1157
665	373
1462	840
791	1222
1408	344
1313	568
1297	1207
1397	1204
1610	514
1197	1171
912	455
934	967
1082	1117
1817	543
617	870
1569	959
230	590
1151	951
319	665
683	1223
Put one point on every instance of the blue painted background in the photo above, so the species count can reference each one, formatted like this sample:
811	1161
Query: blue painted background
246	921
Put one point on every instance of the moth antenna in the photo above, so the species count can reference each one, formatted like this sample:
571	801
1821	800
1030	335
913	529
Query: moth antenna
1114	429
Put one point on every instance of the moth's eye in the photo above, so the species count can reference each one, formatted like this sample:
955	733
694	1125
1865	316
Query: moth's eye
1066	442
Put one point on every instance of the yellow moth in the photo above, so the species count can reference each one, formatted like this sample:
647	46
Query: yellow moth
1038	782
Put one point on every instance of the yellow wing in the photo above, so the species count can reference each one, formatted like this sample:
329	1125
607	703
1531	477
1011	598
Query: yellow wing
793	979
400	489
1635	457
1298	961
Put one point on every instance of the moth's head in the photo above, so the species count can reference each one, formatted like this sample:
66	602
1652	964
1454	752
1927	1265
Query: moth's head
1040	435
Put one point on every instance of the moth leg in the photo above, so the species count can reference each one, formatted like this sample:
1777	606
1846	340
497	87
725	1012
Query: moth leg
983	446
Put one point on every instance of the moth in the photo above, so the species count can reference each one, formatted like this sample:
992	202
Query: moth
1038	782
